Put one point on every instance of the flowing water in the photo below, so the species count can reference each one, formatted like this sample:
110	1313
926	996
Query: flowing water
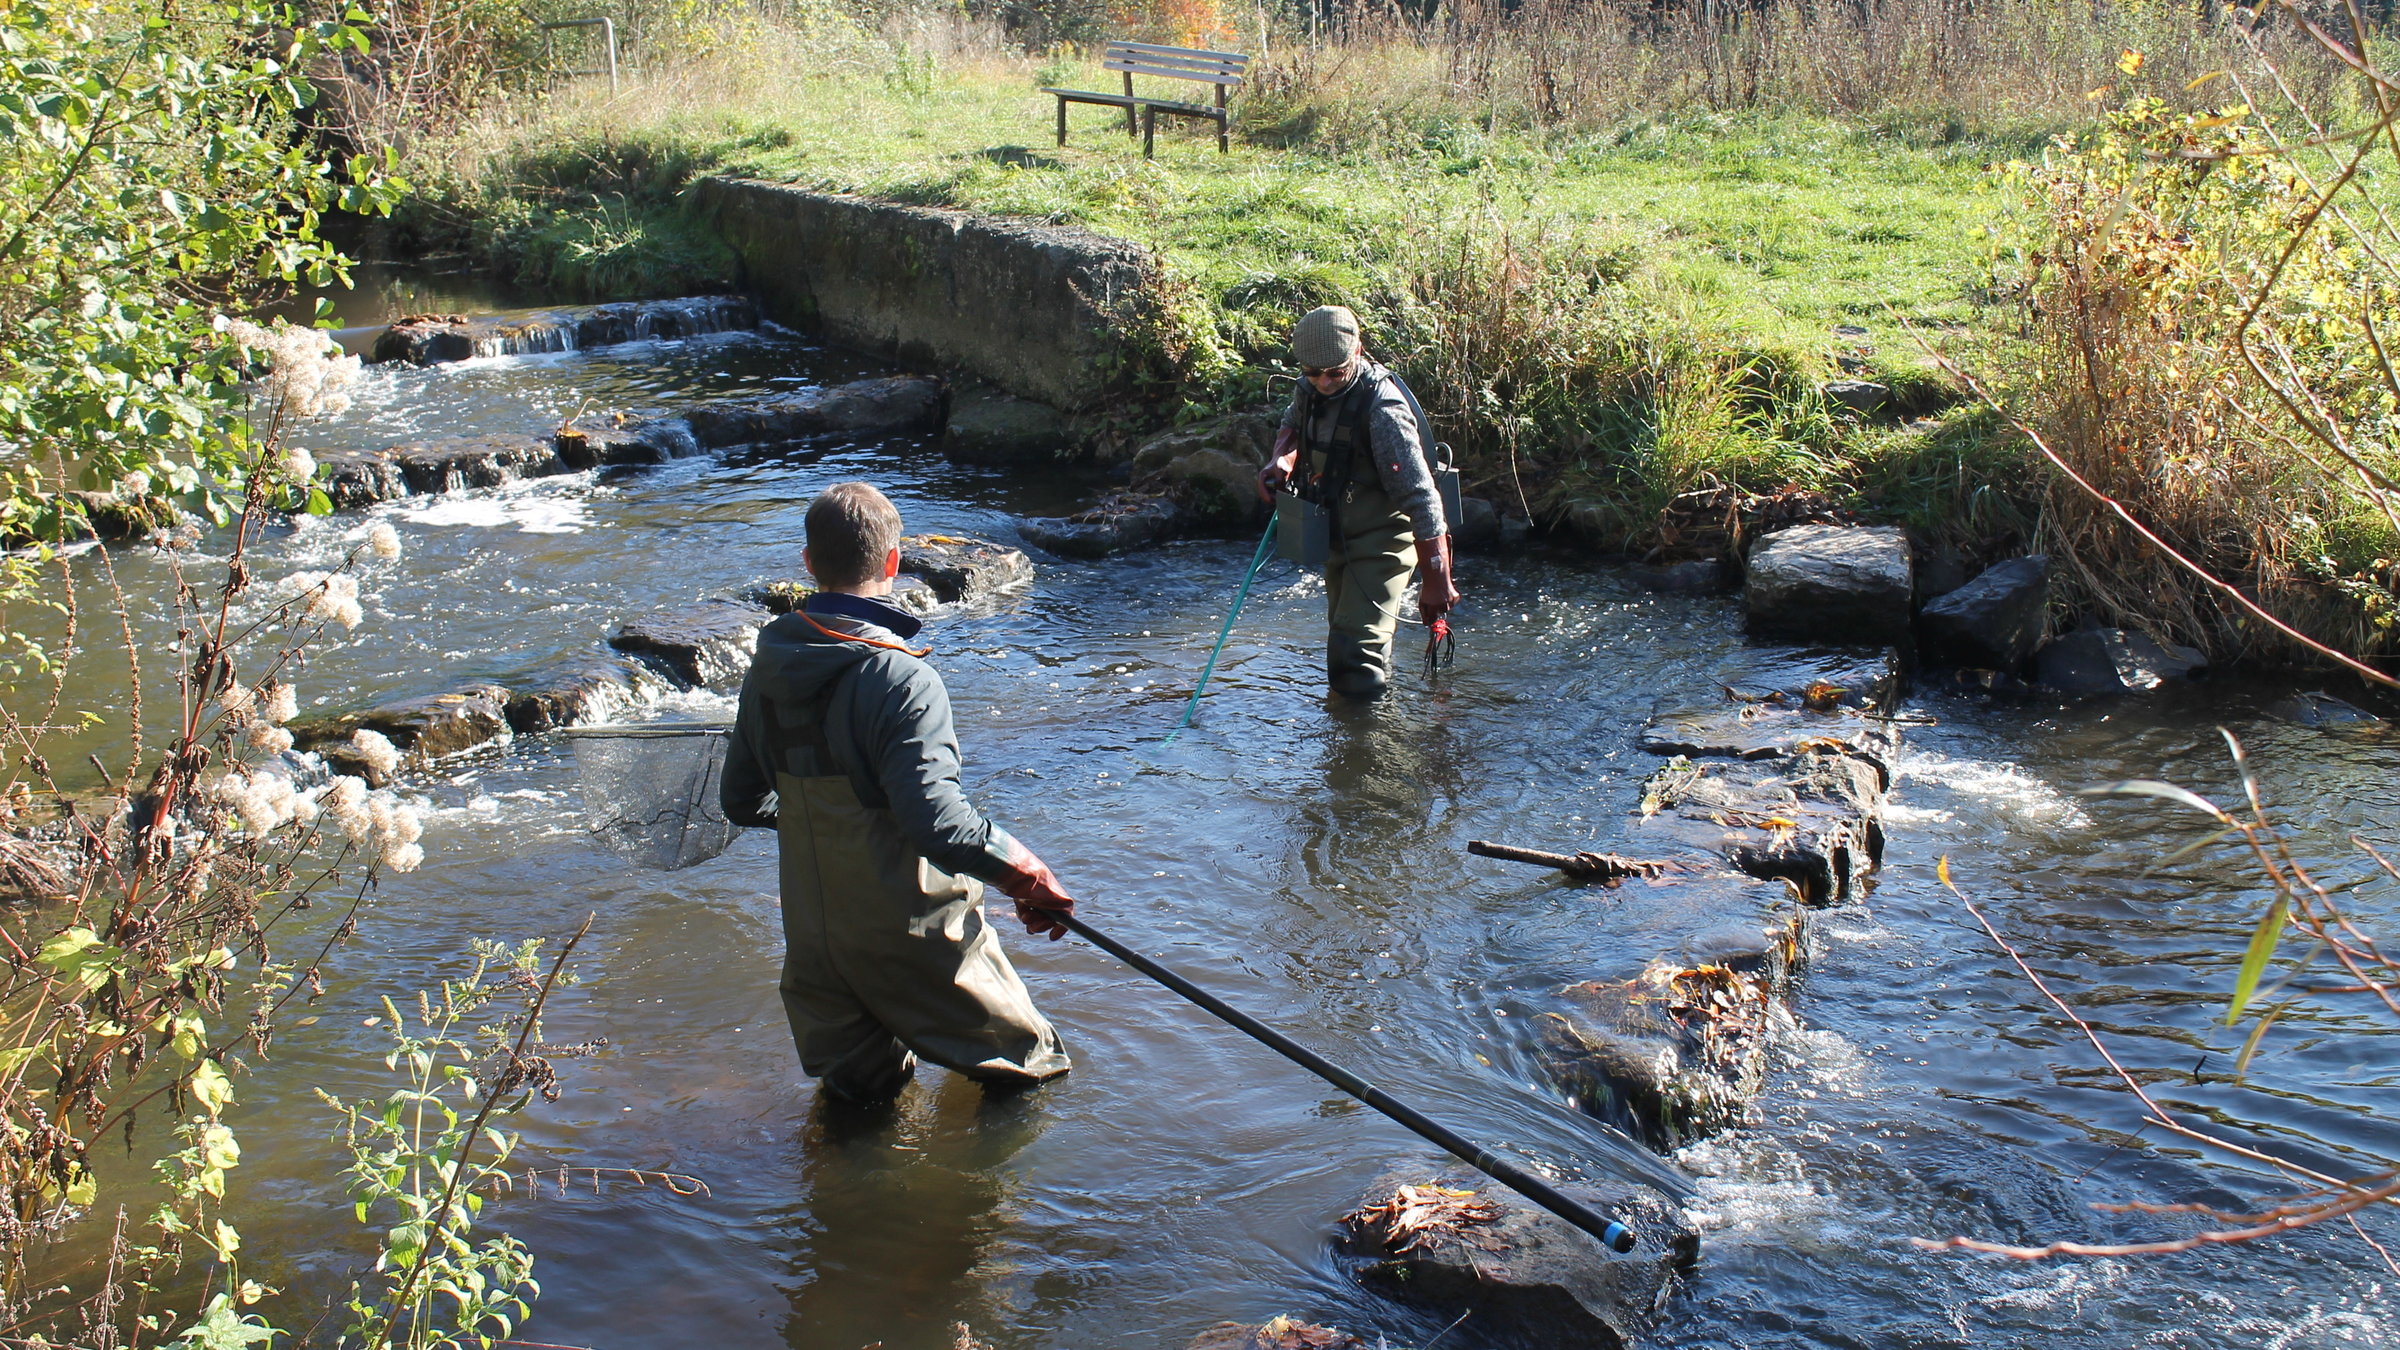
1307	862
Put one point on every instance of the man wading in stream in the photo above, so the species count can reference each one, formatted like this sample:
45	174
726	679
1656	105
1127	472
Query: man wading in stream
1367	468
843	745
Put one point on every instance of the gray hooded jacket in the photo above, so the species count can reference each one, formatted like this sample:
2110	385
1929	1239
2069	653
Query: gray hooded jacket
887	727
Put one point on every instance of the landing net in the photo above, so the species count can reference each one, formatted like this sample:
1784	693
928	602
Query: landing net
650	792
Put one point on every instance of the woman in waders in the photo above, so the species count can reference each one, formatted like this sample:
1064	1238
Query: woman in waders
1350	445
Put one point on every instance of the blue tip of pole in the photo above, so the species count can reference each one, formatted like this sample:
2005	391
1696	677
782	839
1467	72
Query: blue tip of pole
1619	1238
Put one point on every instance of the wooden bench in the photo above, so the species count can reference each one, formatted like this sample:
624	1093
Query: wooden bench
1222	69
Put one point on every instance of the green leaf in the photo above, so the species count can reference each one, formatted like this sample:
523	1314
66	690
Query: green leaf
2254	961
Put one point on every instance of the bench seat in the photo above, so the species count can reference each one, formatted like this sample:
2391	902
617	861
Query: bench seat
1224	70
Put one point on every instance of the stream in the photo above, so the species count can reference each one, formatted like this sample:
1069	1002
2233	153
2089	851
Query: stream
1306	861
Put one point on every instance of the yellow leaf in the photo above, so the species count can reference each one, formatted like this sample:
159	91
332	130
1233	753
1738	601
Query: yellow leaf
2212	75
211	1088
83	1187
1942	869
2129	60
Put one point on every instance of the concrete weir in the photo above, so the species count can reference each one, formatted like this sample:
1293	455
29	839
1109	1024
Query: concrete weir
1041	311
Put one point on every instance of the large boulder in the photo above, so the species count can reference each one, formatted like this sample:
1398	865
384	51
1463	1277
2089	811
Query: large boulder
2095	662
1455	1241
1993	622
697	645
989	428
1831	583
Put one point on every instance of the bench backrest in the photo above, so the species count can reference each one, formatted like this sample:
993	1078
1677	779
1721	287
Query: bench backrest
1181	63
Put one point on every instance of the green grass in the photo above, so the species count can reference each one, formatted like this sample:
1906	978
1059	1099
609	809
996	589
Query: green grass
1617	272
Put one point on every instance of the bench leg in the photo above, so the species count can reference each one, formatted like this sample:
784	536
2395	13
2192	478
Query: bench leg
1062	121
1222	147
1149	130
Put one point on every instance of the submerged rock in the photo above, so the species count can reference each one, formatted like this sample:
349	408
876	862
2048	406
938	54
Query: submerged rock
1834	583
648	440
436	339
356	478
2096	662
1993	622
2320	709
579	691
426	729
1279	1333
698	645
866	407
1673	1055
1125	520
1458	1242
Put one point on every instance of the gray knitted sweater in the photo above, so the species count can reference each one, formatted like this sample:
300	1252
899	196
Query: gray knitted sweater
1401	464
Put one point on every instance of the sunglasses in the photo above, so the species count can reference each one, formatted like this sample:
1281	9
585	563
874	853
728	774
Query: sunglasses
1320	372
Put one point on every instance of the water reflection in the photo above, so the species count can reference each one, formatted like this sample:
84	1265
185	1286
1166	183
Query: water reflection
904	1205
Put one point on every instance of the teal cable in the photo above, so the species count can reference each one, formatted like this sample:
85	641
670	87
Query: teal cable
1258	559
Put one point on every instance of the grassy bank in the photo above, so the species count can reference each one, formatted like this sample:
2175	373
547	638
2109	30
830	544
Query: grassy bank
1683	282
1622	275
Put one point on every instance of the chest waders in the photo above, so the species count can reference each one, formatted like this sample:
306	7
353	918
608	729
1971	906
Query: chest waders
886	957
1369	551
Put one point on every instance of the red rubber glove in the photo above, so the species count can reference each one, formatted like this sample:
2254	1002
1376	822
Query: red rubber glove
1436	594
1030	883
1278	469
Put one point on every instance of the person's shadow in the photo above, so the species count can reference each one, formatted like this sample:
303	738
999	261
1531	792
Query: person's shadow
900	1206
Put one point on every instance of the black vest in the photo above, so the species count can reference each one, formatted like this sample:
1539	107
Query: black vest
1326	483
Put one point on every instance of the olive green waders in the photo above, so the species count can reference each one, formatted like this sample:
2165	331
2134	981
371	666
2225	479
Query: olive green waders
1368	561
885	953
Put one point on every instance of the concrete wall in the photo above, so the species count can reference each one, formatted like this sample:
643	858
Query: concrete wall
1041	311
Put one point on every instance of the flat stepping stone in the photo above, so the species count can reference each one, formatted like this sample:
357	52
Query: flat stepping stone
1813	822
438	339
963	570
358	478
698	645
1121	523
892	404
1453	1241
424	730
1842	583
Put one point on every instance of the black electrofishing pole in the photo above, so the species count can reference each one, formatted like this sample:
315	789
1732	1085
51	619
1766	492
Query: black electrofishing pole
1612	1234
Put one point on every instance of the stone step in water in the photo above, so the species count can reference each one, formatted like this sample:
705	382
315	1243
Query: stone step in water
1450	1240
893	404
437	339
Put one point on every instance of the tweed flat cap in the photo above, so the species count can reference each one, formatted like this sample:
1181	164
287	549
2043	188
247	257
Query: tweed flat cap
1325	336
